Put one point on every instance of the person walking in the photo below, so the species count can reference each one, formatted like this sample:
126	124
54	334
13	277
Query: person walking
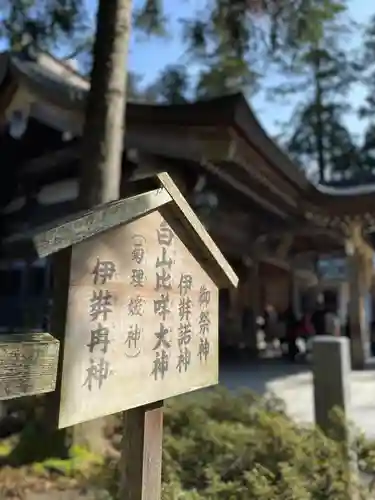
291	325
270	326
318	317
332	323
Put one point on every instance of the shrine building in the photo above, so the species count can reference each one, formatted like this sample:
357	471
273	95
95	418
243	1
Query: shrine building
271	223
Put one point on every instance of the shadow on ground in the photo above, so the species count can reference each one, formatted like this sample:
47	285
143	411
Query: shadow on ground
258	375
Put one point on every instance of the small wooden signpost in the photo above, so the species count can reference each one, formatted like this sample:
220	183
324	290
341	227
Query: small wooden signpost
28	364
142	315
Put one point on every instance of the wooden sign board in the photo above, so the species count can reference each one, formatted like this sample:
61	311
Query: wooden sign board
28	364
142	322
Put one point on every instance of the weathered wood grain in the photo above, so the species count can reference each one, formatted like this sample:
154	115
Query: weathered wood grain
98	220
28	364
85	225
141	457
134	333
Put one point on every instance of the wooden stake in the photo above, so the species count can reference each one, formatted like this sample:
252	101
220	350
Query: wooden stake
60	270
141	459
357	290
101	178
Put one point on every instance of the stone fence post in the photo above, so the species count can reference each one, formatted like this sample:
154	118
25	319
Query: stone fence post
331	373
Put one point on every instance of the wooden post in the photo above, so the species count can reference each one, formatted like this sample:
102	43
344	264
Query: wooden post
60	269
101	180
357	290
138	324
331	372
253	278
25	294
141	458
294	293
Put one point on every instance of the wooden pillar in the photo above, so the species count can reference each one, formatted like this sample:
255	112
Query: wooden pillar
25	293
343	302
294	293
47	295
357	291
233	293
252	305
141	458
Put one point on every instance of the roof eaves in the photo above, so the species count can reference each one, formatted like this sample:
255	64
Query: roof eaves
254	133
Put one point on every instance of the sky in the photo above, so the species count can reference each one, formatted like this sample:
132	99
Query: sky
148	56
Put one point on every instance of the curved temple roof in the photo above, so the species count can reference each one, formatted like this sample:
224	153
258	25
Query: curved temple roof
62	86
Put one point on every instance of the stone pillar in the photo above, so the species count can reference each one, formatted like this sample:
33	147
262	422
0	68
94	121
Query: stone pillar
331	375
331	372
359	340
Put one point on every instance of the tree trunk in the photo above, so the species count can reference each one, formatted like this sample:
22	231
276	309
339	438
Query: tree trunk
103	138
102	148
103	135
319	130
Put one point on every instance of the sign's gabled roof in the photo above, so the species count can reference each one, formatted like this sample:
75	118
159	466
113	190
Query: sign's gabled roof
196	230
83	225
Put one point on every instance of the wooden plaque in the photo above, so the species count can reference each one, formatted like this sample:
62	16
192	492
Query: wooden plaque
142	322
28	364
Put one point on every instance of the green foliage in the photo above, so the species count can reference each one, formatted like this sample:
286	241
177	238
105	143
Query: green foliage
368	152
221	447
233	39
5	448
319	73
367	64
150	19
320	136
137	93
30	449
173	84
45	23
226	76
367	110
64	27
79	462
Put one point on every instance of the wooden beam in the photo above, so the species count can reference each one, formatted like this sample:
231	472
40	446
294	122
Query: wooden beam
48	161
201	151
174	141
92	222
28	364
141	452
303	229
197	230
357	291
284	246
274	261
244	189
7	94
245	156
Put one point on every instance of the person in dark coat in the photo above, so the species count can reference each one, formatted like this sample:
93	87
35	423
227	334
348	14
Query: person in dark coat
291	323
318	318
